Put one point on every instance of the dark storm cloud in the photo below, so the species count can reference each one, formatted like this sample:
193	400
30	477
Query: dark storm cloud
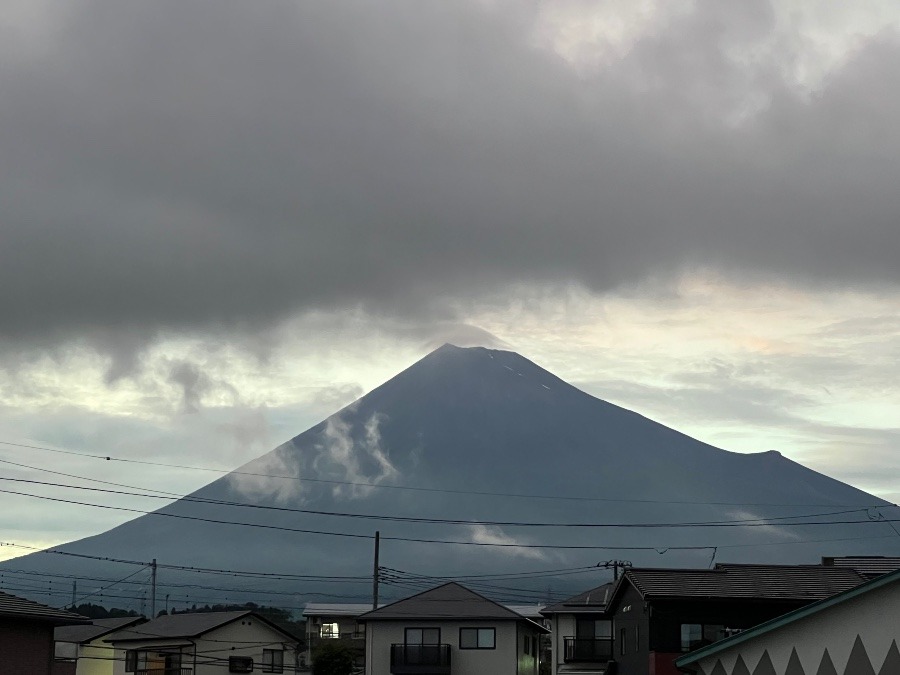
176	165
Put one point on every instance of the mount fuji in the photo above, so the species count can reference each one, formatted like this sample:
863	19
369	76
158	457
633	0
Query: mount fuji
515	454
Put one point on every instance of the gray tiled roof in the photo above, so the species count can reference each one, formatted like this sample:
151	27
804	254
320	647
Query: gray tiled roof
187	625
19	608
97	628
592	601
450	601
764	582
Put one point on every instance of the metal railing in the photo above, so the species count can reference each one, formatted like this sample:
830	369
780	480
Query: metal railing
592	650
163	671
420	659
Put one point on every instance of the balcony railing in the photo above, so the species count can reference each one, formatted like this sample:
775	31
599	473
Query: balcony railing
420	659
591	650
162	671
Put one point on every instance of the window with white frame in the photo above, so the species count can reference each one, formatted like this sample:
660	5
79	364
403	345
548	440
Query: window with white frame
330	630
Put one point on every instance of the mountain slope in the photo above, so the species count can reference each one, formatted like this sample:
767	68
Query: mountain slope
487	421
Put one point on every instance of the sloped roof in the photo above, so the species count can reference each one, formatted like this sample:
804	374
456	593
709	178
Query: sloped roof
449	601
762	582
788	618
592	601
869	565
96	629
188	625
528	611
350	609
19	608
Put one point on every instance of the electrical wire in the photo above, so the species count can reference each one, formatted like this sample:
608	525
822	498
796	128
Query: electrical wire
110	458
412	519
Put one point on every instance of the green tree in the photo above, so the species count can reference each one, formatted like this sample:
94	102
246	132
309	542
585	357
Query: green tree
332	658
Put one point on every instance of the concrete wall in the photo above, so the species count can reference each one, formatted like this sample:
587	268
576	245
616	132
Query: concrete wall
504	659
861	635
26	647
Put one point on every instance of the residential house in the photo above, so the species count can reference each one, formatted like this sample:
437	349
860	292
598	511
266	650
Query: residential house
334	621
80	649
26	635
340	621
581	631
204	643
659	614
851	633
450	630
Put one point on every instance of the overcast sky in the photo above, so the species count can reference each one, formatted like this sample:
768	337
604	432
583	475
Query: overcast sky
220	220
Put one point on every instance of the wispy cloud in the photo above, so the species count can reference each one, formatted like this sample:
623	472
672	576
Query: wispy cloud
484	534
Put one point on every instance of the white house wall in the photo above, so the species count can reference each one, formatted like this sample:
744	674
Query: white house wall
95	658
563	627
503	660
247	636
873	616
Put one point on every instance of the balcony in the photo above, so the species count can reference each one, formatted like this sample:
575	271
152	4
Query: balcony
162	671
588	650
420	659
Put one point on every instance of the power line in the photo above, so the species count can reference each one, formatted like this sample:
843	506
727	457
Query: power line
110	458
414	519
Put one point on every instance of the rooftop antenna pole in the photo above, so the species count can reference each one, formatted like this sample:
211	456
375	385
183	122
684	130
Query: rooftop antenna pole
74	590
375	571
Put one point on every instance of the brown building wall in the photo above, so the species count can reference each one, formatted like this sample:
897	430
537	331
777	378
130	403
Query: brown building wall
26	647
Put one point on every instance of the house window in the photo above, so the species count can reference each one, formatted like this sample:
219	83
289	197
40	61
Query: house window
696	635
479	638
273	661
330	630
140	660
622	641
587	629
240	664
423	636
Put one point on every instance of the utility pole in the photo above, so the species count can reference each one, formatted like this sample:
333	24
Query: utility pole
615	564
375	572
74	590
153	589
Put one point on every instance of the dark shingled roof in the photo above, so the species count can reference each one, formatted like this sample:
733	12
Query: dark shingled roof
96	629
773	625
870	566
13	606
592	601
187	625
450	601
763	582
